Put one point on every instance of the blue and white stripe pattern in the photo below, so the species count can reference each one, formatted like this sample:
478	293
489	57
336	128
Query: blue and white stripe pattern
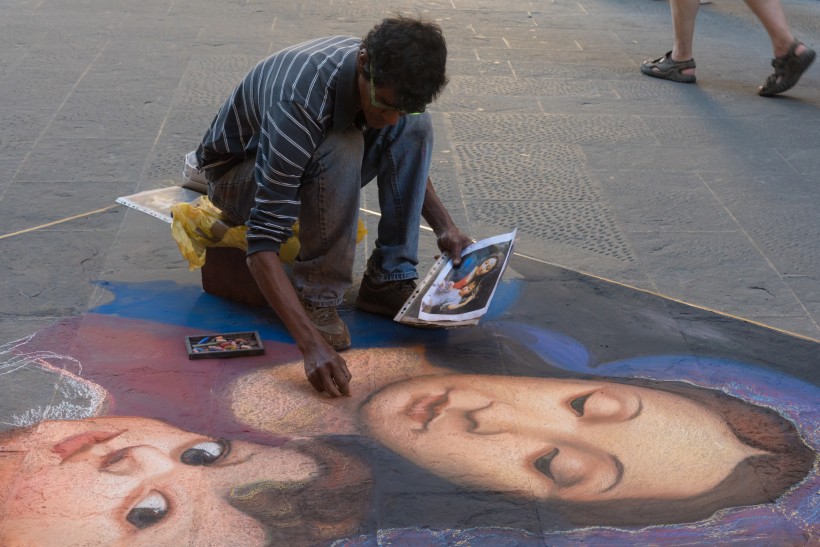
279	113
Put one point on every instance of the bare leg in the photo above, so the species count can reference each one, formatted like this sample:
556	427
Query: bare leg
684	13
770	13
791	58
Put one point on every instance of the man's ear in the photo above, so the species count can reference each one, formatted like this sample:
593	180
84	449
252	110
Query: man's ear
362	61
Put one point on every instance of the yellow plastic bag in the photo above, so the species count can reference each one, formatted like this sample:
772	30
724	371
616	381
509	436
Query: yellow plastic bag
198	225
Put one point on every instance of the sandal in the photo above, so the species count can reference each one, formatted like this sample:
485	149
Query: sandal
667	69
787	70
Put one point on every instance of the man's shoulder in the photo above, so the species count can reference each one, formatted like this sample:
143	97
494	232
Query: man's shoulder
323	54
326	43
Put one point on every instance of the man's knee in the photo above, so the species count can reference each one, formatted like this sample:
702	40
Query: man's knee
234	191
418	126
342	146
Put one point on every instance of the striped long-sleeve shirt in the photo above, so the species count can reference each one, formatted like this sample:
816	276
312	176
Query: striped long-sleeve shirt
279	113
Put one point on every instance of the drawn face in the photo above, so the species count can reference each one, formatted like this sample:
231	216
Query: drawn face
140	482
561	439
467	289
487	266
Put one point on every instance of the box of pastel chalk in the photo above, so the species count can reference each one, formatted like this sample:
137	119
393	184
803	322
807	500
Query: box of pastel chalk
221	346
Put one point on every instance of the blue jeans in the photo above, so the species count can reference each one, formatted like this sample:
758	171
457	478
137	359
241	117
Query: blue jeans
398	157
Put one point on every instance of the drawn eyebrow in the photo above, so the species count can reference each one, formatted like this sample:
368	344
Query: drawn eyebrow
619	472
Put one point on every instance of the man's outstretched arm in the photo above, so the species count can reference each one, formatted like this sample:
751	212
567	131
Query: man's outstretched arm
449	238
325	369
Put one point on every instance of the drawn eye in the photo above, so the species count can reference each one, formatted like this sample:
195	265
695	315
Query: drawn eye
578	403
542	464
206	453
149	511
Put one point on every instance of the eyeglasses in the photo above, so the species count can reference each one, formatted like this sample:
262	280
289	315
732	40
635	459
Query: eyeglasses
380	105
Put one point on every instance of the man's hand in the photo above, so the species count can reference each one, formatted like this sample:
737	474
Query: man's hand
327	371
452	241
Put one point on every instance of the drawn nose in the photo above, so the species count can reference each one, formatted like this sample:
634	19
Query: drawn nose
491	419
139	460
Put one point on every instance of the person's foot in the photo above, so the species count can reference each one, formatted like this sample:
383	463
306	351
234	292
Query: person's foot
383	298
667	68
329	325
788	68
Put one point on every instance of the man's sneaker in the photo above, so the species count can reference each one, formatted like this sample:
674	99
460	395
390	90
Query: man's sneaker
384	298
191	176
329	325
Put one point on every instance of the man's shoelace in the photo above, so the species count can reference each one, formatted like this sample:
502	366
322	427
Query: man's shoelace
322	315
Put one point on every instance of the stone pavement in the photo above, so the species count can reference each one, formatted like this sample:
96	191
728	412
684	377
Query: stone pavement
705	193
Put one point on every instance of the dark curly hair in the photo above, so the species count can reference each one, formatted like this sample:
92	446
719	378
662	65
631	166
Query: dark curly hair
409	54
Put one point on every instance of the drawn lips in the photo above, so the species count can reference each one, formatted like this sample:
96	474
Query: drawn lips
83	441
424	409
